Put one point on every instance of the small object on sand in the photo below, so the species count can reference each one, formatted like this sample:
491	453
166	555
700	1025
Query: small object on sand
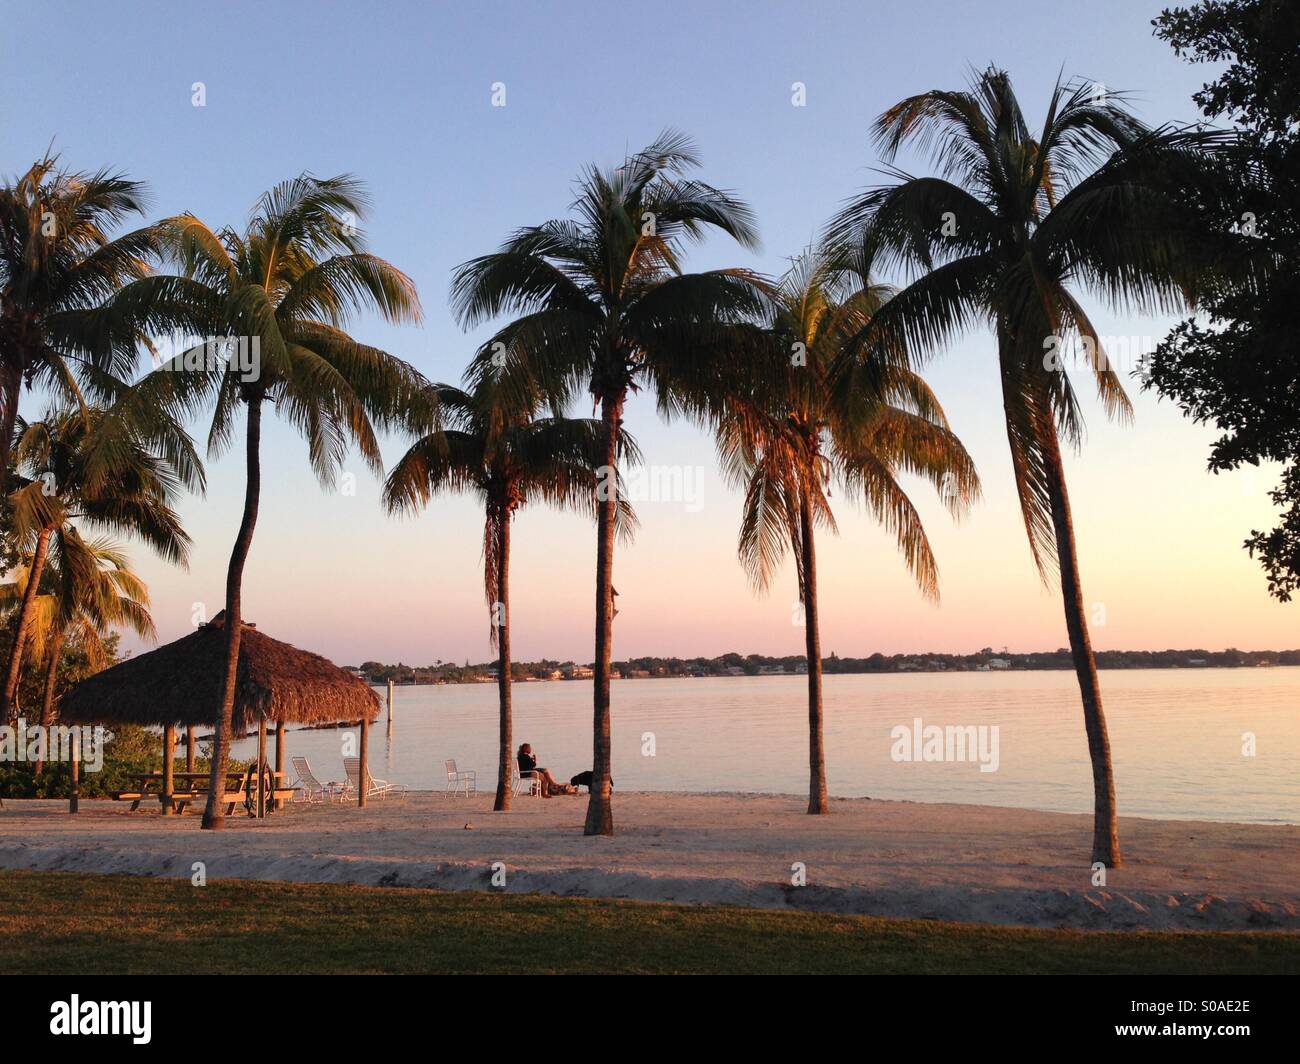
469	827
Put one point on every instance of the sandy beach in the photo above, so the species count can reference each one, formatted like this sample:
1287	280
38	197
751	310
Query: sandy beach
950	862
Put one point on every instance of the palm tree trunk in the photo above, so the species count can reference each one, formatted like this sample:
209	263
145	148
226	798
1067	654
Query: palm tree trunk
600	810
1105	827
11	383
504	679
47	703
25	613
817	802
214	817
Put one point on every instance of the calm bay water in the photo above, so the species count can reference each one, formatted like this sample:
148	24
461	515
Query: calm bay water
1177	737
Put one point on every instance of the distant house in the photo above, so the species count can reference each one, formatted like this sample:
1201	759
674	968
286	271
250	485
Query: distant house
637	674
735	670
999	663
771	670
1198	662
801	669
577	672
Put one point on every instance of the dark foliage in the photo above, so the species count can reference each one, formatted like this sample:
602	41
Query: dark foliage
1237	367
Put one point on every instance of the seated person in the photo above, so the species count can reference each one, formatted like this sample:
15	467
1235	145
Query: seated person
528	770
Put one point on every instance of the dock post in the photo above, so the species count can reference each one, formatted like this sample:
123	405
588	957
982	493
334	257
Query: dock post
363	777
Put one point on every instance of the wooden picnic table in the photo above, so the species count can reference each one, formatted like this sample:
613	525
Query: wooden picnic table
149	784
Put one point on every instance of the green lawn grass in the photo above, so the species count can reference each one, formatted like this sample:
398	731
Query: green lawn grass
65	923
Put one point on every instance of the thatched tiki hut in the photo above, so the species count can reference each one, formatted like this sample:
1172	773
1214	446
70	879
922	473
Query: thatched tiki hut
179	686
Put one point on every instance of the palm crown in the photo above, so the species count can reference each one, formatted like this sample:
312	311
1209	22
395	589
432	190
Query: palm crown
799	428
507	455
86	590
57	266
1012	224
98	466
602	297
292	280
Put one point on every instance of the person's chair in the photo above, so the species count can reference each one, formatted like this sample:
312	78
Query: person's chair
530	784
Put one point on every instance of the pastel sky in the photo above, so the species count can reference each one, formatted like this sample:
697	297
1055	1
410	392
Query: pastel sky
400	95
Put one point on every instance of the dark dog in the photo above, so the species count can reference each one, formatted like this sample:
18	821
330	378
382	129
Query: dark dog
583	779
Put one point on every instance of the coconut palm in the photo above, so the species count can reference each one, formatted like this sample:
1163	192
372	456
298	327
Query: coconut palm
1010	230
87	590
797	429
270	305
57	265
99	467
487	443
603	301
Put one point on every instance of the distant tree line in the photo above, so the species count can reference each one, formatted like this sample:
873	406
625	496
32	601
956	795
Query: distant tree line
754	664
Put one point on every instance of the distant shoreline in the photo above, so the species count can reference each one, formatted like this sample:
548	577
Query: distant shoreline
485	678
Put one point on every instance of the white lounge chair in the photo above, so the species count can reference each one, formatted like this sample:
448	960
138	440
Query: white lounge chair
456	779
310	789
375	788
530	784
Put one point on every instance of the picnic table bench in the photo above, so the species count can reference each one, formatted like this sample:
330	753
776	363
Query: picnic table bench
190	787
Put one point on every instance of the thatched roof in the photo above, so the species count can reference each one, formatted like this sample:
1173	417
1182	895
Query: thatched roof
180	683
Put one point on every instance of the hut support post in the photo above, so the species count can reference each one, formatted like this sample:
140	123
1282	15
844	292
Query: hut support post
278	803
74	772
169	767
363	777
261	768
189	748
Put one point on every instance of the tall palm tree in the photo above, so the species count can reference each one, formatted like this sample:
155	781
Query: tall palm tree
507	455
57	265
283	289
798	428
100	467
87	590
603	301
1008	231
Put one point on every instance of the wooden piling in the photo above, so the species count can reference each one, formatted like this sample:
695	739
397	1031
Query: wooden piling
169	769
363	777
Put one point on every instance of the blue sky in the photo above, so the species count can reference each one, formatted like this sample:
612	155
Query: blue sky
400	95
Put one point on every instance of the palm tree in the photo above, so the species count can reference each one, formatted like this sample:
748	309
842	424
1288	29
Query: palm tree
271	304
57	265
99	466
505	453
87	590
797	428
603	301
1006	233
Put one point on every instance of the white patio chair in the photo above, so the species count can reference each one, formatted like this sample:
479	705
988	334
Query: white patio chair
375	788
456	779
530	784
309	787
